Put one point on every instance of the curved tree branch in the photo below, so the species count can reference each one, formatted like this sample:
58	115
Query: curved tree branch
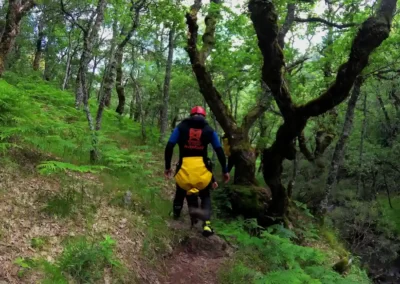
325	22
304	149
291	7
197	59
371	34
265	19
262	105
72	18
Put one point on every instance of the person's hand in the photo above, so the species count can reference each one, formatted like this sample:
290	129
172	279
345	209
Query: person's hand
227	177
215	185
168	174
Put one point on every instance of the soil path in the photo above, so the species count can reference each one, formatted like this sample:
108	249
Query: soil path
197	259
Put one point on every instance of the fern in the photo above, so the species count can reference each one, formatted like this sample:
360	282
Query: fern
51	167
279	260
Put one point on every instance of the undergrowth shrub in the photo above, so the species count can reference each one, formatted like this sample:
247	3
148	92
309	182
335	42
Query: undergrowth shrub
61	204
84	261
274	258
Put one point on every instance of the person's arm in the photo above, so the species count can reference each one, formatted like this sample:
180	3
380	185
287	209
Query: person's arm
169	149
219	151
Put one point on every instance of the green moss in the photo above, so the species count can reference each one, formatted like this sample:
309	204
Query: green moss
331	238
248	201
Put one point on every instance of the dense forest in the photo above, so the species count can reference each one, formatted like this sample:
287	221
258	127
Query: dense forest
307	92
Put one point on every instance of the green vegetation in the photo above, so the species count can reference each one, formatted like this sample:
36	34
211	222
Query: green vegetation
307	93
275	258
271	256
390	215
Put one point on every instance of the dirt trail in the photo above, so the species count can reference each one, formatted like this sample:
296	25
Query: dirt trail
197	259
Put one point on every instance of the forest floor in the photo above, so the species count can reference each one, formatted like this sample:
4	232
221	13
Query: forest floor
24	195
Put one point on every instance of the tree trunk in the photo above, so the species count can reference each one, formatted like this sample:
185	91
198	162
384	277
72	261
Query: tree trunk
361	153
167	80
175	119
109	72
96	62
385	112
132	107
338	154
116	63
39	46
15	12
90	34
387	191
120	88
264	17
70	56
138	108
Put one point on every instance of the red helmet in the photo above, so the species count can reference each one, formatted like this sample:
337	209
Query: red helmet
198	110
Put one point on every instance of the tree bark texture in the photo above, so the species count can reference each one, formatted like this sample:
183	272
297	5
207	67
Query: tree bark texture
118	83
237	135
70	56
39	45
167	81
361	153
105	82
115	74
90	35
17	9
338	154
264	17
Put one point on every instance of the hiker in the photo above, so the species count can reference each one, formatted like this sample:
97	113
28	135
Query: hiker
193	173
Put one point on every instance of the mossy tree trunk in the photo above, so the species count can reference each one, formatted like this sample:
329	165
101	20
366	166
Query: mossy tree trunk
16	10
338	154
264	17
167	80
119	86
39	45
238	135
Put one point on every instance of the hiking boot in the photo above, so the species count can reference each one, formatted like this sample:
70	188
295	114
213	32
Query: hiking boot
176	212
207	230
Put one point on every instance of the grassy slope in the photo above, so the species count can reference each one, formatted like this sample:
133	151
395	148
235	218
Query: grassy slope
75	206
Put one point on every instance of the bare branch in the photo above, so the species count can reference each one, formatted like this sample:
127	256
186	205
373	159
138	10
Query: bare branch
291	7
297	63
72	18
262	105
323	21
304	149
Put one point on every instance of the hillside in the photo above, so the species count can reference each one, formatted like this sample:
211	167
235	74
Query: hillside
68	221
